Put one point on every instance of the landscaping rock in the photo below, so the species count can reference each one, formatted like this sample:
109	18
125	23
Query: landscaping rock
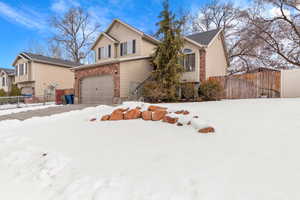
147	115
182	112
170	120
93	119
132	114
158	115
122	109
207	130
186	112
154	108
117	115
105	118
179	124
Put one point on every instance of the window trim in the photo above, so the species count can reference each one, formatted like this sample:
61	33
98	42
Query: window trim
185	61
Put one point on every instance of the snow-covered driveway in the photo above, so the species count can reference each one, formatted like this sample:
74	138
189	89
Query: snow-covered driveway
253	155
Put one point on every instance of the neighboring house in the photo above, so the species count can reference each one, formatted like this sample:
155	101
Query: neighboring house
35	74
6	79
123	62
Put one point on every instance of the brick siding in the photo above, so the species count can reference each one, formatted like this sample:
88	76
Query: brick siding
109	69
202	65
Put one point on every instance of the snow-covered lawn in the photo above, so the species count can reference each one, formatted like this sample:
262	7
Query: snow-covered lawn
254	155
14	108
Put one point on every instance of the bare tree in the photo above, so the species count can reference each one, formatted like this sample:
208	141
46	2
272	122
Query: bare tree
75	32
279	32
224	15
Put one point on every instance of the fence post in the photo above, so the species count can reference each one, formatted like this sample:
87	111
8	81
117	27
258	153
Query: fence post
18	101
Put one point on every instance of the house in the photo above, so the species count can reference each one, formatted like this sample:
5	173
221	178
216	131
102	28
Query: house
6	79
123	62
36	74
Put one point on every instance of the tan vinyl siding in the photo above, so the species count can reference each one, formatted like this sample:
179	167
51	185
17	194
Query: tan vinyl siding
104	41
148	48
47	74
133	72
216	64
124	34
7	85
25	77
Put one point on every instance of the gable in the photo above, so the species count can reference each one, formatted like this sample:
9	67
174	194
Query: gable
122	32
102	41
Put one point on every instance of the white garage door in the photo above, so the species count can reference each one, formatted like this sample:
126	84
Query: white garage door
97	90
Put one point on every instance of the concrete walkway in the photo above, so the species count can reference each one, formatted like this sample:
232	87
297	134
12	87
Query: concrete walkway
44	112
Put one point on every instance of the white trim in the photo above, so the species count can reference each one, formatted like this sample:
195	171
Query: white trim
144	35
195	43
123	23
20	55
214	38
109	37
111	62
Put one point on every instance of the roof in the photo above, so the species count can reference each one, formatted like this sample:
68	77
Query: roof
204	38
9	72
48	60
144	35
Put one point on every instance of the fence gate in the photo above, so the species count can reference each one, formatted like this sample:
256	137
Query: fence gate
250	85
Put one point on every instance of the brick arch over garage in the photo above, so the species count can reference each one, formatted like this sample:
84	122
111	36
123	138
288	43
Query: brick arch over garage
109	69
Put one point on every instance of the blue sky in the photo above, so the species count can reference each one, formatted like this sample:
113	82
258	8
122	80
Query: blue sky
25	22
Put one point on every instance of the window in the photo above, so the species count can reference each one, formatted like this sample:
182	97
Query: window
3	81
128	48
189	62
17	70
21	69
104	52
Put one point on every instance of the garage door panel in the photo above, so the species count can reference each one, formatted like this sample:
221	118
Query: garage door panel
97	90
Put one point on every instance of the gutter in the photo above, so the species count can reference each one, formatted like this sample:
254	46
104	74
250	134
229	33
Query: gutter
110	62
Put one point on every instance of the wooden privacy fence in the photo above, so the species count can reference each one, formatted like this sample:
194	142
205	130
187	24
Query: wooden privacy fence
251	85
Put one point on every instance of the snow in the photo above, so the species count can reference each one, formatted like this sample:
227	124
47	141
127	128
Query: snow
12	108
253	155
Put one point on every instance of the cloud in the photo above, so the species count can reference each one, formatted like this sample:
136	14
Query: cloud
61	6
29	19
275	12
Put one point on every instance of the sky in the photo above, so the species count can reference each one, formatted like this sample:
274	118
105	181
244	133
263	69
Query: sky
26	22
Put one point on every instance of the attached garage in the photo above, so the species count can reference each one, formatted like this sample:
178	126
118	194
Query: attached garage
110	83
97	89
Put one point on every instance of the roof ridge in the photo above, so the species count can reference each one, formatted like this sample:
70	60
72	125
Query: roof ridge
217	29
49	57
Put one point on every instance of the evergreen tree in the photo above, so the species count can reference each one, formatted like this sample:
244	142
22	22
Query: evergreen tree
166	58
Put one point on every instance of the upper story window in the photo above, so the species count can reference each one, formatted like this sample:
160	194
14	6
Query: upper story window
3	81
189	60
22	69
127	48
104	52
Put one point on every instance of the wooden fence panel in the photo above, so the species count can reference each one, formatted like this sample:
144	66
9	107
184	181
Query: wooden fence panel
251	85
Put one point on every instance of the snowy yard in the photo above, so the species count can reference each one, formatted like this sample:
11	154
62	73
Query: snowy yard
252	156
14	108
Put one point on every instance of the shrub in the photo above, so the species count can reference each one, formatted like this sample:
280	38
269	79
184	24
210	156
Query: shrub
210	90
154	92
15	91
188	91
2	93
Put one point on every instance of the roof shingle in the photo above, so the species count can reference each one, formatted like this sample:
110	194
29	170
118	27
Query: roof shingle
59	62
204	38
